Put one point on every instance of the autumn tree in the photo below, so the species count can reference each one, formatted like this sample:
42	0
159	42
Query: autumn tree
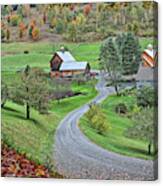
86	10
22	29
32	91
35	33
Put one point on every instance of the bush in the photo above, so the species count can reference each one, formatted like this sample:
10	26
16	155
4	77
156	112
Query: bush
14	20
146	97
97	119
121	108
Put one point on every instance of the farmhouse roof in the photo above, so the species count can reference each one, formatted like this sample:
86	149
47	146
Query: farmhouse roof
66	56
73	66
145	74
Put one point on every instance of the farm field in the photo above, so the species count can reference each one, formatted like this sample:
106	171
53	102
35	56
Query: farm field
40	53
13	60
115	139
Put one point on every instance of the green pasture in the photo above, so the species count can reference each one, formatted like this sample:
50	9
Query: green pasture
115	140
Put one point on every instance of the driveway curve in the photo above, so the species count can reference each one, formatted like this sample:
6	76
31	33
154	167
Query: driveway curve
77	157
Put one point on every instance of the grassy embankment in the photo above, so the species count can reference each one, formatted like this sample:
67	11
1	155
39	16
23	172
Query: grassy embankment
115	140
35	137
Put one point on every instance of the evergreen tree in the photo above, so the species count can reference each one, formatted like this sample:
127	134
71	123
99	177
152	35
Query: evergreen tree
130	54
32	91
111	61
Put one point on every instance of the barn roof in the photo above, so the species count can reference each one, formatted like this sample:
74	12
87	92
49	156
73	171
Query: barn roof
65	56
150	53
145	74
73	66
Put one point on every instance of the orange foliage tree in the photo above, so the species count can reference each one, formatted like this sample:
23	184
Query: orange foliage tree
35	33
22	29
87	9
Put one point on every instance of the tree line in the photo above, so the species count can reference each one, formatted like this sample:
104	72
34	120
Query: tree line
81	22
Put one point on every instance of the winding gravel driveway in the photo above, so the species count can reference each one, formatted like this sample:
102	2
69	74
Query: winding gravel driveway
76	156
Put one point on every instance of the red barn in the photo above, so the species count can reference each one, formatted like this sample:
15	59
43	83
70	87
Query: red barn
149	57
63	64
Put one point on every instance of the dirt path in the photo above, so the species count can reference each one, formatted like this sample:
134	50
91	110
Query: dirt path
77	157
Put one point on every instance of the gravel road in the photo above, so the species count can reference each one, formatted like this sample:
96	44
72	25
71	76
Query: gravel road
77	157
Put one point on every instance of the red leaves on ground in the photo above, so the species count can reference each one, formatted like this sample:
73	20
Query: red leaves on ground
16	165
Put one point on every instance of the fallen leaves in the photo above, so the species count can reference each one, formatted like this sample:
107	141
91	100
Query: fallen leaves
16	165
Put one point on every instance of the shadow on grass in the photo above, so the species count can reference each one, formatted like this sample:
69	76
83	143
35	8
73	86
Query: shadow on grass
133	150
11	109
23	118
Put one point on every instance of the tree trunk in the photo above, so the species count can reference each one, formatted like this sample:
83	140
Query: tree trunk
27	111
149	149
116	89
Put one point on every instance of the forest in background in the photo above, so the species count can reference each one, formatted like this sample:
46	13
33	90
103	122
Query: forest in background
76	22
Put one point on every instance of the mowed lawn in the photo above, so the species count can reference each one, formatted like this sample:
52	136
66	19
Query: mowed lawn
35	137
115	140
40	53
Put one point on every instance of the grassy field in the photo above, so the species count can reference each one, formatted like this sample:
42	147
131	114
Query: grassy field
40	53
35	137
114	139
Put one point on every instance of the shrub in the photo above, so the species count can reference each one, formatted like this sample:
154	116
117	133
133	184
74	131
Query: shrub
135	109
99	123
14	20
97	119
146	96
35	33
121	108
